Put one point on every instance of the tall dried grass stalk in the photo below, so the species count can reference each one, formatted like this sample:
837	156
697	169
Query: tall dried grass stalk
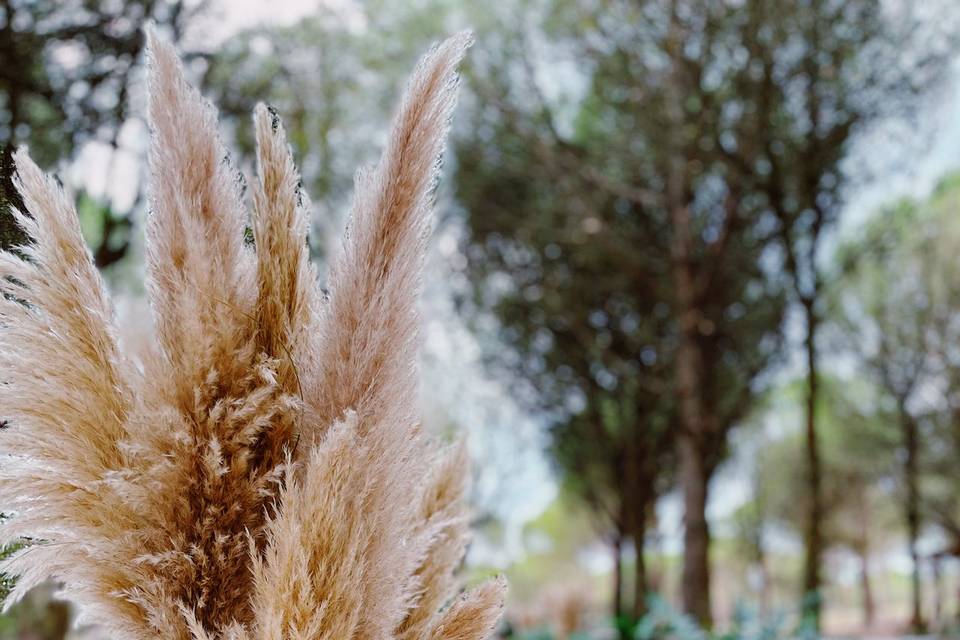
262	474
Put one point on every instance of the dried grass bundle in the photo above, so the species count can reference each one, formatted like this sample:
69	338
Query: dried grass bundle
263	473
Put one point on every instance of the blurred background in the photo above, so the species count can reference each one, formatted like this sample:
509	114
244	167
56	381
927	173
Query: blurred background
694	289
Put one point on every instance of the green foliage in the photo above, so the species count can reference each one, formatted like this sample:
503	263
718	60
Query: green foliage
636	229
67	67
859	442
545	634
35	617
663	622
554	541
6	582
571	248
107	231
746	624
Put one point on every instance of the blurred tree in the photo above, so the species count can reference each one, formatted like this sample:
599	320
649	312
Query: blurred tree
886	316
609	226
910	259
720	129
619	470
813	75
897	300
65	81
860	441
751	519
749	523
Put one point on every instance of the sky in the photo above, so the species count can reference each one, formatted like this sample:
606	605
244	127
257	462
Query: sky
910	164
227	17
519	485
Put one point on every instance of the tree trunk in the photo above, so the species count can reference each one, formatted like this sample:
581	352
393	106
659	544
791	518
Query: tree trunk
912	514
696	534
693	471
764	581
640	588
863	551
937	593
693	432
617	548
814	534
866	590
636	502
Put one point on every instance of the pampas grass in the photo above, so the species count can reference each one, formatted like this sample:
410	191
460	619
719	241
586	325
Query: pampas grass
260	472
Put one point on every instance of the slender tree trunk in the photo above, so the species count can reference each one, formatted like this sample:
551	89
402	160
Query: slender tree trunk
640	588
912	514
617	604
937	592
696	535
813	534
759	546
764	581
866	590
863	551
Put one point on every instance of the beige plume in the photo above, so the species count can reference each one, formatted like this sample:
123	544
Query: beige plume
262	474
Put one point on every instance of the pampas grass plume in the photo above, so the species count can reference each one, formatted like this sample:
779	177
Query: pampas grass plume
260	472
